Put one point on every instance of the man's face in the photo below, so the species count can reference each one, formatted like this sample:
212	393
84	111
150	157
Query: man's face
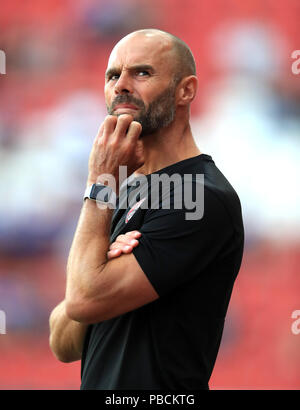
139	81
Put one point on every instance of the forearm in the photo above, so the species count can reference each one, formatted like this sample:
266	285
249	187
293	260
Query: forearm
88	253
116	143
66	335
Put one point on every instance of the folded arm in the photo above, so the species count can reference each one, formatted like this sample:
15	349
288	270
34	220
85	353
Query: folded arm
66	335
99	288
99	284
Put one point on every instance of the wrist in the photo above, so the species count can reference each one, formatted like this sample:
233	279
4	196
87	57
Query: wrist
105	179
92	179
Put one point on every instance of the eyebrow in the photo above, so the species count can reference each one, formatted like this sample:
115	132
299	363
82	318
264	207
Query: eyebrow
138	67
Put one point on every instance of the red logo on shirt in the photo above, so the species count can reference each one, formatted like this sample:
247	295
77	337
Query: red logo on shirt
132	211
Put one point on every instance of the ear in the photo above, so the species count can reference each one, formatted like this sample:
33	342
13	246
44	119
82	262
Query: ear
187	90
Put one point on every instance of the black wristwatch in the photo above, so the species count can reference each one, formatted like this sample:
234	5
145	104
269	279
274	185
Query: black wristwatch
101	193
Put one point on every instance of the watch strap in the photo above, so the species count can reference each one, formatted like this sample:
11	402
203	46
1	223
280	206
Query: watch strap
100	193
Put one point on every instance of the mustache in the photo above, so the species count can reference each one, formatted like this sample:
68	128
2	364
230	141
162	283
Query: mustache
127	99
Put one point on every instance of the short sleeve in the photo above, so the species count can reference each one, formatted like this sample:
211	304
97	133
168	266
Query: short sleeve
173	250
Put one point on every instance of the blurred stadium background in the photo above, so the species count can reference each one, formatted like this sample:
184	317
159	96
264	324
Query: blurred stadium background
247	116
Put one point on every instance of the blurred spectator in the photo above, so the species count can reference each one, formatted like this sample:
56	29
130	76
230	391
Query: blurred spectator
45	172
244	129
111	20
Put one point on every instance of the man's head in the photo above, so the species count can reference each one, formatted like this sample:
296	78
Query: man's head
150	74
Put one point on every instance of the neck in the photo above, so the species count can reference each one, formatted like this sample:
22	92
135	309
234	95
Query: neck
168	146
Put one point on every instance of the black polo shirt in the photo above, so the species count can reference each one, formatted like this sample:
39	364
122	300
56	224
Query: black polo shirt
172	343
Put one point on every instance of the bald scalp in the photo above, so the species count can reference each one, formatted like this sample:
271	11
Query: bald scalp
184	62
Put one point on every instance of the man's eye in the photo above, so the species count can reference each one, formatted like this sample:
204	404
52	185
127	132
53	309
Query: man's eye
114	77
142	73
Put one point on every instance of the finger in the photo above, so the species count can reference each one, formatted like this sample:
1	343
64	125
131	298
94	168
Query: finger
123	240
133	234
139	151
114	254
128	240
123	124
130	234
127	249
117	245
98	136
134	130
122	245
109	126
100	132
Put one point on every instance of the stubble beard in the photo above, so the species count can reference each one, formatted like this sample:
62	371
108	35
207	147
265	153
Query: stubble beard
159	114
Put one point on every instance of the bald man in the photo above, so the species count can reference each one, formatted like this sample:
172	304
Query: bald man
148	287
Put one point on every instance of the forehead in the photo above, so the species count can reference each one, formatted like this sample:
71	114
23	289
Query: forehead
142	49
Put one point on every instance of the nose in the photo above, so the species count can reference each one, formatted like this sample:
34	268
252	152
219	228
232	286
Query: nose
123	84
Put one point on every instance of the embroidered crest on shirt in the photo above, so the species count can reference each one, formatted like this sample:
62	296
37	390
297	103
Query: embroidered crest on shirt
133	210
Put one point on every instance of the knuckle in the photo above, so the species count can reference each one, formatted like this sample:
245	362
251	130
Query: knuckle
136	124
110	117
127	241
100	142
110	120
121	239
135	128
125	117
113	143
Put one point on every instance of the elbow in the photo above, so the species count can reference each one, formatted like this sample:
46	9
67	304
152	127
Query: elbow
59	353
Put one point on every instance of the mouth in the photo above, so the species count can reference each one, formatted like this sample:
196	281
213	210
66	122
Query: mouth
125	107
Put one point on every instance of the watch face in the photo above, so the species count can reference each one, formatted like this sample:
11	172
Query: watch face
101	193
